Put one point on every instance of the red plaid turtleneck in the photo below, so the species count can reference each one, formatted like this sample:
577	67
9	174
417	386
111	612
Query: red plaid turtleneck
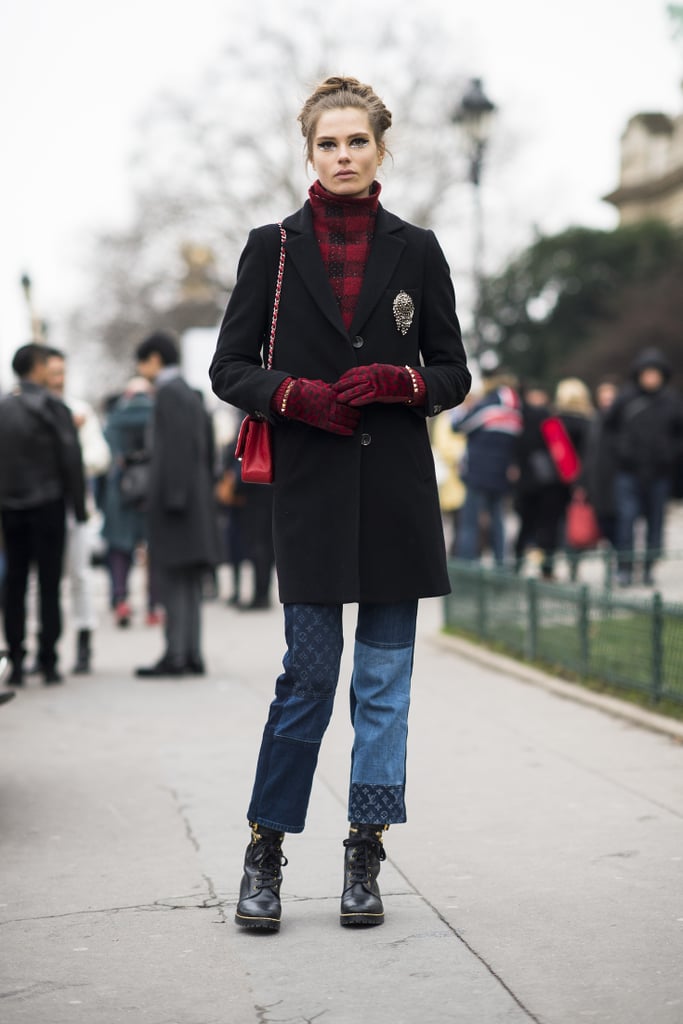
344	227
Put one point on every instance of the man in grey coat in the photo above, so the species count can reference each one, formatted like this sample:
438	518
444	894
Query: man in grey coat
183	541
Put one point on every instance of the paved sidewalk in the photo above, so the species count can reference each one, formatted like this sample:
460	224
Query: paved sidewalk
540	876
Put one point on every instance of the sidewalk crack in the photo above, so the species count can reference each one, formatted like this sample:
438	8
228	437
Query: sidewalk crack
482	960
192	838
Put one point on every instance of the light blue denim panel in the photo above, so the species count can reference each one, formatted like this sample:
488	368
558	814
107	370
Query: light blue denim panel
380	700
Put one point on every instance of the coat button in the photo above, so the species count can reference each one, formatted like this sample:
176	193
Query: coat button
358	342
437	409
365	439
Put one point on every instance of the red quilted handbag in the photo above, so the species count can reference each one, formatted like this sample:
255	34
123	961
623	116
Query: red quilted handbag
254	446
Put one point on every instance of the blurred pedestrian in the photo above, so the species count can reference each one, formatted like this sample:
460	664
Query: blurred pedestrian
248	525
128	431
542	495
449	447
367	346
535	473
600	462
41	476
231	519
492	425
574	407
646	422
183	540
96	457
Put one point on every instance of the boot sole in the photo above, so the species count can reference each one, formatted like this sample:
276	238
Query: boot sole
367	920
263	924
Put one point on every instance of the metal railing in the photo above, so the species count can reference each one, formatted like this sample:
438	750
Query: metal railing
631	642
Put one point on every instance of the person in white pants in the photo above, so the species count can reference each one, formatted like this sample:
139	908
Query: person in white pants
96	459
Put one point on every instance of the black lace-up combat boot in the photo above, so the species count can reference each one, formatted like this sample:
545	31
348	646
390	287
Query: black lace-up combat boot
361	902
259	903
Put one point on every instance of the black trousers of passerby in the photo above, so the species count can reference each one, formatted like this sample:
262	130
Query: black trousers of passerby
541	521
34	536
257	527
181	595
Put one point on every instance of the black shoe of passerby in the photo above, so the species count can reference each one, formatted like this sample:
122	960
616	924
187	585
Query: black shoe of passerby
6	695
259	904
361	902
164	668
195	667
51	677
16	676
82	665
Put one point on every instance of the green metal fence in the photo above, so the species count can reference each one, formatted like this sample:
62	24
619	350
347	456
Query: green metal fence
633	643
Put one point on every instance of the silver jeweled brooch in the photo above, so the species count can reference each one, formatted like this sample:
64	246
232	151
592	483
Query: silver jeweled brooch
404	311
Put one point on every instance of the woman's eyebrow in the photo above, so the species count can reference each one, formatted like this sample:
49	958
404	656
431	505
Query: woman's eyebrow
351	135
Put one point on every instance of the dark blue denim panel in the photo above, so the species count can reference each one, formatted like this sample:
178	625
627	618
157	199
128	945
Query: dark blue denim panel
376	805
387	625
298	717
282	788
314	648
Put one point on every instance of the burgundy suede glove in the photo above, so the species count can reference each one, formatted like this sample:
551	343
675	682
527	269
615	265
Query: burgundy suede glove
380	382
314	402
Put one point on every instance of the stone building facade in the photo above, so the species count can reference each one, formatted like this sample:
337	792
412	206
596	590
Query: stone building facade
651	180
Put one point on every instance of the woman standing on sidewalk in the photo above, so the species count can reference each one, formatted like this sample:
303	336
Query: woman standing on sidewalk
367	346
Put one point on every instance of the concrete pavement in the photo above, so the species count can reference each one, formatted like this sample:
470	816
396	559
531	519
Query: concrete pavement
539	878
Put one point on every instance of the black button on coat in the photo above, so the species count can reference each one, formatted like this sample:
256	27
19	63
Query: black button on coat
352	521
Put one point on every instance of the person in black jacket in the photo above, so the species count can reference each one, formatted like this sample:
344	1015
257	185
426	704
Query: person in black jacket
646	423
41	475
542	495
181	520
600	462
492	426
367	346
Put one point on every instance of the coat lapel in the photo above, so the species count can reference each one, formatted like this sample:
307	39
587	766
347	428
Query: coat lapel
303	250
385	253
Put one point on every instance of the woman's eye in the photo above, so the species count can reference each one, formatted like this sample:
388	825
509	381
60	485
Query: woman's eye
359	142
326	144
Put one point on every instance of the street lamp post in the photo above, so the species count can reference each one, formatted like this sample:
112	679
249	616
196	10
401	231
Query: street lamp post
37	325
474	114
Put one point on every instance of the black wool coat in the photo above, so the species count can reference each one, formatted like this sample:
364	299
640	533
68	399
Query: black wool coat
181	513
355	518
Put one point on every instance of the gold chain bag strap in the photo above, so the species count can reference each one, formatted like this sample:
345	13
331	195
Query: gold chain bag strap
254	441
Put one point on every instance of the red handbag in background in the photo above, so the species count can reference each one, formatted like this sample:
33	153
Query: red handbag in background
581	525
561	450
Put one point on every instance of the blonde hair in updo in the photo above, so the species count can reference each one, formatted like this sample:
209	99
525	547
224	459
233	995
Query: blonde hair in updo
336	93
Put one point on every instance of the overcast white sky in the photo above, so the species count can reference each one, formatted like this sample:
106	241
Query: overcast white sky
76	74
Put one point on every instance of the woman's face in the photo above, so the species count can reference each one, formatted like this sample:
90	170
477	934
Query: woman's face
344	153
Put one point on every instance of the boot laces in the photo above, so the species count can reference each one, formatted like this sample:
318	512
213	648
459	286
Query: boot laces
268	858
359	861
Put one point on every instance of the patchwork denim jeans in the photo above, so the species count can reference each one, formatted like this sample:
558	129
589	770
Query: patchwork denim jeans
302	708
